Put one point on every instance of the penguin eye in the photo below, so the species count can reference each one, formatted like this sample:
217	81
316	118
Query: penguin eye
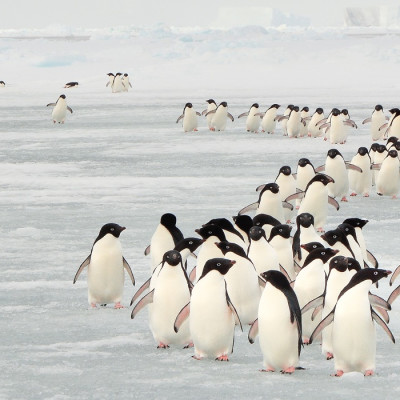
334	236
218	264
323	253
209	232
228	247
335	261
376	273
190	242
314	246
280	230
112	229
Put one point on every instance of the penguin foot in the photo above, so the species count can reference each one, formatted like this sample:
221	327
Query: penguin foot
297	207
369	372
366	194
269	369
325	139
289	370
224	357
344	198
321	230
353	194
195	130
329	356
288	221
394	197
162	346
198	358
338	373
118	305
306	341
212	129
93	305
189	345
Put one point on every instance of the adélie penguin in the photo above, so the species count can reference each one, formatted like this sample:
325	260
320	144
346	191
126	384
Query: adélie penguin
189	116
268	122
211	106
377	119
60	109
361	182
253	119
106	267
220	115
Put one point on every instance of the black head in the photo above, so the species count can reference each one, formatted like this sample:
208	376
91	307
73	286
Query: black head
63	96
264	219
211	101
393	153
296	109
305	220
353	264
118	74
335	112
272	187
303	162
322	178
191	243
244	222
222	223
320	254
348	229
345	111
168	220
282	230
394	110
256	233
319	110
397	146
332	153
339	263
381	148
188	105
275	106
125	75
392	139
110	74
372	274
172	257
112	229
285	170
378	107
290	107
222	265
362	151
277	279
334	236
211	230
356	222
227	247
306	109
255	105
224	104
312	246
374	147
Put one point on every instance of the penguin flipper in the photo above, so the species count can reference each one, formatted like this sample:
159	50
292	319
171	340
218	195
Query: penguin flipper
393	296
128	270
350	122
353	167
181	317
140	290
261	187
284	272
107	84
260	114
379	302
210	112
197	113
180	117
250	207
230	116
395	274
383	126
320	168
233	309
321	122
383	312
333	202
297	267
69	109
192	275
286	204
81	267
318	301
322	325
245	114
253	332
316	311
130	84
382	323
142	303
326	125
147	250
203	112
366	120
371	258
294	196
51	104
280	118
376	167
261	281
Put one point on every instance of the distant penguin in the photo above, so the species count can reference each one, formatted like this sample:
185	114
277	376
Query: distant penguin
169	294
387	182
378	157
164	238
60	110
212	314
353	332
279	325
189	116
126	82
377	119
361	182
337	127
2	84
287	185
106	268
293	125
253	120
71	84
284	120
313	129
211	106
110	79
305	120
268	122
394	125
220	115
117	84
304	173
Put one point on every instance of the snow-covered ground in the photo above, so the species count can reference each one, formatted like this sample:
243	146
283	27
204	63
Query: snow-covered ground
121	158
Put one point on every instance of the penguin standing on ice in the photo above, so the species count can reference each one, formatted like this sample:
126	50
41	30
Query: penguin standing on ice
377	119
353	332
387	182
220	115
253	119
211	106
283	119
60	109
304	173
279	325
106	268
313	129
361	182
268	122
110	79
287	185
126	82
117	85
189	116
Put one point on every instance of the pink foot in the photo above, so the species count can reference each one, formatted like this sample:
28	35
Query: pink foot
162	345
394	197
344	198
288	221
353	194
224	357
196	130
189	345
118	305
289	370
269	369
325	139
366	194
197	357
212	129
321	230
369	372
306	341
338	373
329	356
93	305
297	207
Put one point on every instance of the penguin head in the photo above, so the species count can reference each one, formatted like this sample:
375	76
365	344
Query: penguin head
394	110
211	101
290	107
244	222
188	105
332	153
275	106
392	139
312	246
334	236
378	107
397	146
348	229
271	187
222	223
227	247
118	74
168	220
125	75
374	147
211	230
356	222
190	243
393	153
255	105
335	112
264	219
256	233
62	96
322	178
339	263
303	162
362	151
305	109
295	109
353	264
381	148
305	220
345	111
319	110
172	257
323	254
222	265
110	74
223	104
285	170
112	229
282	230
277	279
373	274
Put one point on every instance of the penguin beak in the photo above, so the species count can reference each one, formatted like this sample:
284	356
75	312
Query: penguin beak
322	237
387	272
232	262
122	228
336	251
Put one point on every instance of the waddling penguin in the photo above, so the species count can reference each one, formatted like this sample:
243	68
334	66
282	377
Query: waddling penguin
336	127
353	332
110	79
106	268
313	129
294	122
387	182
212	314
71	84
305	119
126	82
394	125
220	114
377	119
212	105
60	110
304	173
170	292
268	122
253	119
283	120
189	116
278	325
117	85
361	182
165	237
2	84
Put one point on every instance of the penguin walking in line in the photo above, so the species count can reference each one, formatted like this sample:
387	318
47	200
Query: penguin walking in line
211	106
361	182
253	119
279	325
212	314
220	115
304	173
268	122
60	109
377	119
353	332
106	268
117	85
189	116
313	129
111	77
126	82
387	182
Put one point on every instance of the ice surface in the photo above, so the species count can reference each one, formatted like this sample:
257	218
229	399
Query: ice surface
121	158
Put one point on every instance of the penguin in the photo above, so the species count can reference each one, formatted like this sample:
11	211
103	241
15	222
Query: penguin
212	314
71	84
60	110
242	282
279	325
211	106
336	239
394	125
243	223
287	185
304	173
165	237
360	182
106	268
351	237
231	234
268	122
305	119
335	125
253	119
168	295
378	157
391	142
266	222
269	202
189	116
126	82
283	120
117	84
372	152
377	119
346	117
261	253
280	240
353	332
110	79
310	284
187	247
220	114
315	200
313	129
2	84
387	182
294	123
384	128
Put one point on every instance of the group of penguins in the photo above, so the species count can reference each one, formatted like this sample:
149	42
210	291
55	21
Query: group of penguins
295	122
290	290
118	82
